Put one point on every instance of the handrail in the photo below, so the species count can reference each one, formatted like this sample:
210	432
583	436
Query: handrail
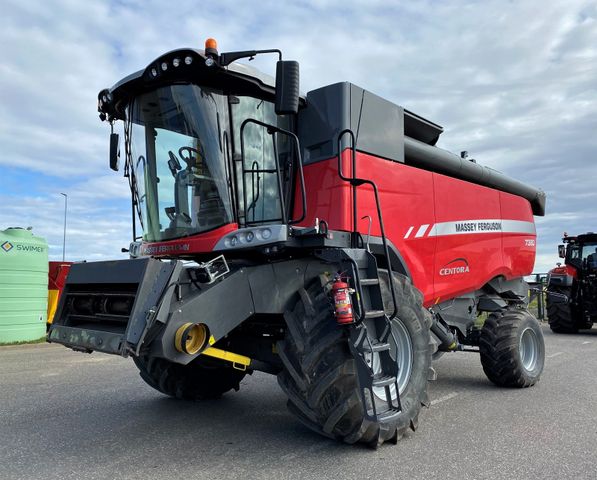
355	182
272	129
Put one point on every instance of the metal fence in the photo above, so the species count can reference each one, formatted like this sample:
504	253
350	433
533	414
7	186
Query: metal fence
537	284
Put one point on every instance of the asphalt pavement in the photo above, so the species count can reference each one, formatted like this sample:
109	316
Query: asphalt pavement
67	415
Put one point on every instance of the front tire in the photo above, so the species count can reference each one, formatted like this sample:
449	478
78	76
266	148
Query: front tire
512	349
320	377
200	379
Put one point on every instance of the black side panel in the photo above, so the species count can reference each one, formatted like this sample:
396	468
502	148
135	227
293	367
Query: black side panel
222	306
103	272
225	304
378	125
326	115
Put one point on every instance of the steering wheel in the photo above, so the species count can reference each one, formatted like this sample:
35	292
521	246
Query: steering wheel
189	155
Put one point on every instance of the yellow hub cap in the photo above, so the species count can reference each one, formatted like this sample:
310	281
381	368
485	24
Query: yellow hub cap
190	338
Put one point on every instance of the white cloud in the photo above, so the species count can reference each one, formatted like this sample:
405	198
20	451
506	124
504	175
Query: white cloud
512	82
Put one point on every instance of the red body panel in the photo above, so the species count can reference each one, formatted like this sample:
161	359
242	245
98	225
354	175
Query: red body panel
564	270
458	200
57	273
519	248
454	236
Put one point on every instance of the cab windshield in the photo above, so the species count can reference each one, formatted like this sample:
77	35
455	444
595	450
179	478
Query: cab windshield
177	147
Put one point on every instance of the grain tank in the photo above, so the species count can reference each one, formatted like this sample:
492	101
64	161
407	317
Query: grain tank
23	285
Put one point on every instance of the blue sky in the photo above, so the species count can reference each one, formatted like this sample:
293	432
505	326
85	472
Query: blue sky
514	83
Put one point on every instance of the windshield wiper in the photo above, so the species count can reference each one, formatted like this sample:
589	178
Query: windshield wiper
129	173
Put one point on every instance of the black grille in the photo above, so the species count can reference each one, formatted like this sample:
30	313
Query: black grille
99	307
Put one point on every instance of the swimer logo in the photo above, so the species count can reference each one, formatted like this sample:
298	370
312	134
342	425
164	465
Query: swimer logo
458	266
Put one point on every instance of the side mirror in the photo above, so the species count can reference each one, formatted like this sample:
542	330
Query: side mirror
287	87
114	151
562	251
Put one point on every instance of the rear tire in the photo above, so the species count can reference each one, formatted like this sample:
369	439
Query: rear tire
560	313
200	379
512	349
320	378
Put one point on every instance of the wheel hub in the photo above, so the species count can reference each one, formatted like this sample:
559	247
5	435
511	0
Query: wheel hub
529	348
404	358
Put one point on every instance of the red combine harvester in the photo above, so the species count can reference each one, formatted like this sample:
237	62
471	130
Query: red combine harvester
321	238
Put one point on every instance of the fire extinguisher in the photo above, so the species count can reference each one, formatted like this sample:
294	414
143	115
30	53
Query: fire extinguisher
342	302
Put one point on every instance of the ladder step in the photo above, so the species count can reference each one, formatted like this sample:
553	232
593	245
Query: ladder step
389	415
379	347
374	314
365	282
383	380
362	262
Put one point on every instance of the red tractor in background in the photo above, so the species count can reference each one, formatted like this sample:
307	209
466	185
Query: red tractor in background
322	238
572	287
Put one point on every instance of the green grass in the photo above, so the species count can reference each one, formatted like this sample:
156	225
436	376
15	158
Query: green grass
24	342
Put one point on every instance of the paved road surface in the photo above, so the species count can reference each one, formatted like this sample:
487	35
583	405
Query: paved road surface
66	415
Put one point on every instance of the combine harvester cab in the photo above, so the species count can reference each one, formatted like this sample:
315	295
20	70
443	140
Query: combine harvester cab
572	287
321	238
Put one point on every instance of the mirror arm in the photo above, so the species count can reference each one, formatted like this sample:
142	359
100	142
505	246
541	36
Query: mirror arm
227	58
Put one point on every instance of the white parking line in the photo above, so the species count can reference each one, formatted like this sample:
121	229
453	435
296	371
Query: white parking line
554	354
586	343
444	398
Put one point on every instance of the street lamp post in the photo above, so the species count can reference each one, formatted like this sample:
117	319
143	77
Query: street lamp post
64	234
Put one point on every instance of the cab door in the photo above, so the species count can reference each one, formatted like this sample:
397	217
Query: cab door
263	160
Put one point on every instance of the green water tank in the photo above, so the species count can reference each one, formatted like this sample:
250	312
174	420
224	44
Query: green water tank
23	285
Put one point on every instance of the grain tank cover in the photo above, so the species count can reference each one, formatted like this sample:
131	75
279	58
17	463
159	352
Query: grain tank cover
23	285
391	132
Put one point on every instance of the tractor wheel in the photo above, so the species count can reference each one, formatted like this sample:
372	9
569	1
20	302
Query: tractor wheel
512	349
586	323
560	313
200	379
320	378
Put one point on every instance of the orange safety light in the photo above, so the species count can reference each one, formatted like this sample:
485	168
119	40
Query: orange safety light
211	47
